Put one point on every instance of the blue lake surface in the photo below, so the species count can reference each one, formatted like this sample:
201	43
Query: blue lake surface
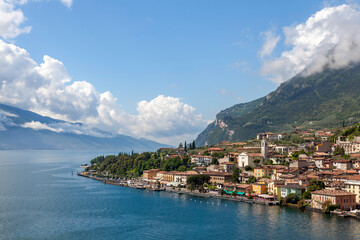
40	198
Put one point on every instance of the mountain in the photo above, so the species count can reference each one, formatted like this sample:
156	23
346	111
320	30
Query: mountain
323	100
20	129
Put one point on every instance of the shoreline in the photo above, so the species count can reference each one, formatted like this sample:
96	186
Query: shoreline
226	197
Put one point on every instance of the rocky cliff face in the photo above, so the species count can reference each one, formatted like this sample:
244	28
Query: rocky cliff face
327	99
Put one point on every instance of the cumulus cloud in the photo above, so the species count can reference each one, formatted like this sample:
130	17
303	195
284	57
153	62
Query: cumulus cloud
329	38
47	89
167	116
12	19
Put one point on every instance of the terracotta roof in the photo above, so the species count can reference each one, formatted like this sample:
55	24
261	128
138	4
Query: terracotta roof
356	177
294	186
217	174
328	192
214	149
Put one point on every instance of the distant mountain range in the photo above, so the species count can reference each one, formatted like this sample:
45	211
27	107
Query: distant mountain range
20	129
324	100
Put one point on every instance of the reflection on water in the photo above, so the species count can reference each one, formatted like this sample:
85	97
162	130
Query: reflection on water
40	198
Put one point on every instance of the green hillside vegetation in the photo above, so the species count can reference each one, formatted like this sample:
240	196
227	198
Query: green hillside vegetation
352	132
133	165
329	99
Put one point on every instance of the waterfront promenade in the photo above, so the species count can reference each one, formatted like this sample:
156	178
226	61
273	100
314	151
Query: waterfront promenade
144	185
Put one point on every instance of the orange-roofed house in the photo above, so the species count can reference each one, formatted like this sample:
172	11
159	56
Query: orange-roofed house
213	150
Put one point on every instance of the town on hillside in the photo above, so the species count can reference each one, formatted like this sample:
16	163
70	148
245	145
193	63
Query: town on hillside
318	170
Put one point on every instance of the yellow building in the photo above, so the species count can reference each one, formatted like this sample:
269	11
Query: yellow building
267	170
274	188
353	185
260	172
150	174
259	187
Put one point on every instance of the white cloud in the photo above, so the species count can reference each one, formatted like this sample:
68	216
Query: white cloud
167	116
40	126
6	119
47	89
7	114
271	41
12	19
67	3
329	38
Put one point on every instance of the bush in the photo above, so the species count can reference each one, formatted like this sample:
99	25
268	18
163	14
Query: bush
330	208
301	203
292	198
248	168
306	195
327	206
252	179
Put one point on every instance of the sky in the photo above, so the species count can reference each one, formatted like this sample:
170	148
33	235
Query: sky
163	69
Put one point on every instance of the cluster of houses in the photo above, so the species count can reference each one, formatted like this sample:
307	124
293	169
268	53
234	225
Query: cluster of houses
281	176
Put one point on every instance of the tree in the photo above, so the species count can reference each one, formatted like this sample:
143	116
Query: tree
235	175
252	179
248	168
315	185
218	155
191	187
182	169
193	144
306	195
180	145
295	156
215	161
256	161
292	198
197	180
339	151
325	206
185	147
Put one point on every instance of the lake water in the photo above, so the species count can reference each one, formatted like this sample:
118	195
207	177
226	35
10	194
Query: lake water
41	199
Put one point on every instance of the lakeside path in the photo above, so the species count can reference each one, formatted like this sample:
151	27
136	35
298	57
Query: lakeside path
212	195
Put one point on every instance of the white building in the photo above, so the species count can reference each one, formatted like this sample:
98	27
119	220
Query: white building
201	160
349	146
248	159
